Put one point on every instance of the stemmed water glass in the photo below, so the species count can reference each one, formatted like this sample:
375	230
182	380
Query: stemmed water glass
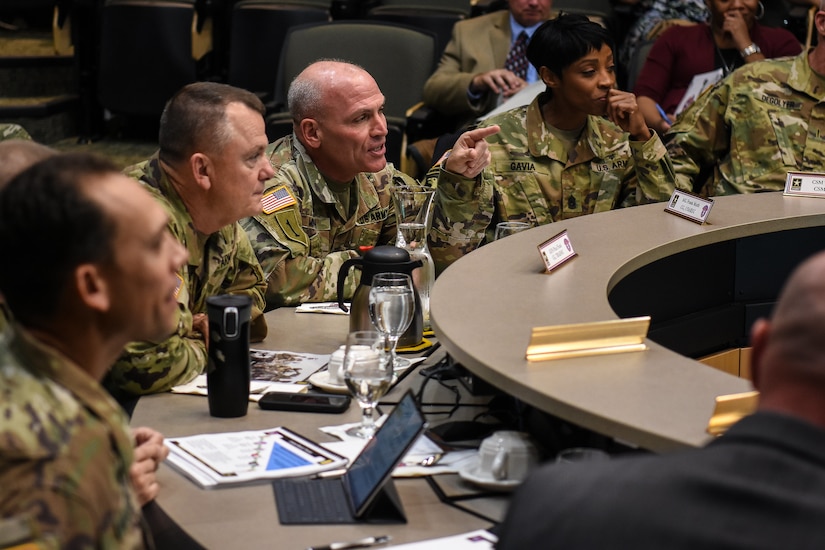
367	374
392	308
505	229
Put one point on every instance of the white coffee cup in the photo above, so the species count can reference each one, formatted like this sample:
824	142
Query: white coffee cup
335	367
507	456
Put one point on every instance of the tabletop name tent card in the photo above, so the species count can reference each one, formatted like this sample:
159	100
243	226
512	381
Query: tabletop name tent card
805	184
730	409
689	206
588	339
556	250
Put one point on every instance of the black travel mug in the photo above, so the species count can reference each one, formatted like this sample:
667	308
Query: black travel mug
228	371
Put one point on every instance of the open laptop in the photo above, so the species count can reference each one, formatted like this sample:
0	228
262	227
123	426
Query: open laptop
365	493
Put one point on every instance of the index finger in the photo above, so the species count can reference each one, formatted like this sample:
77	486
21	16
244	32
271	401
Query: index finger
143	434
481	133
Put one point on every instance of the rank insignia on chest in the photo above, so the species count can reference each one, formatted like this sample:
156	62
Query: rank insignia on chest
277	199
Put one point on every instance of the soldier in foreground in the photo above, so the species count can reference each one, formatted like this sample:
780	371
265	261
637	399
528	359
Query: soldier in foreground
208	173
330	196
71	474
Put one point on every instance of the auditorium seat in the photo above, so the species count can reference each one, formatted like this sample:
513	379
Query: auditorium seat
258	28
146	54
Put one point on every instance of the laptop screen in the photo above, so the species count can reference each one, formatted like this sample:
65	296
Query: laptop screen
371	468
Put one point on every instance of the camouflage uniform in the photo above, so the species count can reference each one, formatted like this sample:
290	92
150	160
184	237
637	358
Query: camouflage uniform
65	451
13	131
753	127
302	240
532	179
220	263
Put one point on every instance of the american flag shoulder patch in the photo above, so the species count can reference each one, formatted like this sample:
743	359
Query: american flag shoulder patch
179	285
277	199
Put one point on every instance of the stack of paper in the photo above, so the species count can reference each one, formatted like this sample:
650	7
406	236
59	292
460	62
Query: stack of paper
212	460
281	371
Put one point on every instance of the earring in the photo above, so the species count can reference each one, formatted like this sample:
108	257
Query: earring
760	10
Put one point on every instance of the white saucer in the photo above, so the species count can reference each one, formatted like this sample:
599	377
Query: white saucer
469	472
321	380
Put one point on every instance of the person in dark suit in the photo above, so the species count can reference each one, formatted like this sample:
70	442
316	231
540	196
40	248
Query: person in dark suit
760	485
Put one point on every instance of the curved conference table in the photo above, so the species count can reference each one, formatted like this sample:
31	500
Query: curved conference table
485	305
246	516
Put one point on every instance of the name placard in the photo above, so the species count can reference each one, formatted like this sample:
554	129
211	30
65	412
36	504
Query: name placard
805	184
730	409
689	206
588	339
556	250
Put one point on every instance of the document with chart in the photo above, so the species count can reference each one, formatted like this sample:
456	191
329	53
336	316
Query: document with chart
212	460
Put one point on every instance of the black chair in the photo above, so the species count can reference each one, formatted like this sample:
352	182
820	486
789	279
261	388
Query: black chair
637	61
461	6
598	9
400	58
438	21
257	38
146	54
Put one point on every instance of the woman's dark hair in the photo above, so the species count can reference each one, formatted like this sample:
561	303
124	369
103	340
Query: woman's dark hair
560	42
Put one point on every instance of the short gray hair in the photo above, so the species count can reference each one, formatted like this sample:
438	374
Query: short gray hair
306	92
304	98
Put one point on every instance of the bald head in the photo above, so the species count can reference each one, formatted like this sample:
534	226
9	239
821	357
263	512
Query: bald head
17	154
798	321
789	350
318	87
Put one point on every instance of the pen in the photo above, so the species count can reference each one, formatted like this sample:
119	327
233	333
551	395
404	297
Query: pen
361	543
664	115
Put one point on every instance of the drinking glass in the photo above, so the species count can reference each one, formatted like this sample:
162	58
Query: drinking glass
413	205
392	307
367	374
504	229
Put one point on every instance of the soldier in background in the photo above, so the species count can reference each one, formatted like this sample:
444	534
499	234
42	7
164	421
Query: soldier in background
208	173
18	154
13	131
580	147
71	475
748	131
330	196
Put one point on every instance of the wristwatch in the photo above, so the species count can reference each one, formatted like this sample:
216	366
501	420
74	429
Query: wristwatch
750	50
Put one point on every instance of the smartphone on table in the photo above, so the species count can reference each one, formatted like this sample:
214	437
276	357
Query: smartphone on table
309	402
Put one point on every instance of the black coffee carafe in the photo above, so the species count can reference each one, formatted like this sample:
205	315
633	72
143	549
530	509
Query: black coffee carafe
379	259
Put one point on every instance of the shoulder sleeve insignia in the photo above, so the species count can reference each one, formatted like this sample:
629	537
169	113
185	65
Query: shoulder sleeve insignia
277	199
179	285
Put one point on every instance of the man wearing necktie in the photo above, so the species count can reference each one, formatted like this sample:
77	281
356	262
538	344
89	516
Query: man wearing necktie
484	61
516	61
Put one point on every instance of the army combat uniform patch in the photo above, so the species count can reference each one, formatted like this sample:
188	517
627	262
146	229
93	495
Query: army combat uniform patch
277	199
